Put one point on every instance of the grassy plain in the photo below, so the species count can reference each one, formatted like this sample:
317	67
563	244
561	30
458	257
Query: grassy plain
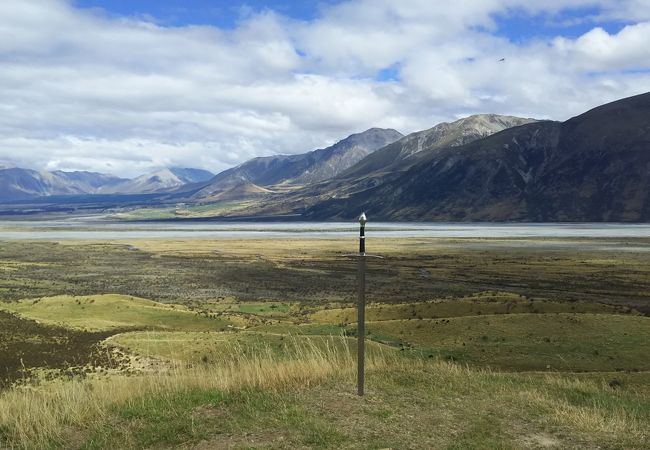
208	210
474	343
484	303
307	401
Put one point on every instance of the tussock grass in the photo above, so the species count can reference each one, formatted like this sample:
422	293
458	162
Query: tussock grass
42	416
521	342
307	400
218	347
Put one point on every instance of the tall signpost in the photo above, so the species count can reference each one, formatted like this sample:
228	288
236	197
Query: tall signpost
361	304
361	311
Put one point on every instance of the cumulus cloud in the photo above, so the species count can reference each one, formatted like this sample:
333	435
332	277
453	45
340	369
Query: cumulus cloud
80	89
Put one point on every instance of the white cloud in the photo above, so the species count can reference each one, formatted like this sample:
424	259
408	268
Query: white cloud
83	90
599	50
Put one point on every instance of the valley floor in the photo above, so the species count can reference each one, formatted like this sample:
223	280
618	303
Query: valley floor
472	343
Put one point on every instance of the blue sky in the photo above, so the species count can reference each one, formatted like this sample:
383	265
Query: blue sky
571	23
225	14
128	86
516	25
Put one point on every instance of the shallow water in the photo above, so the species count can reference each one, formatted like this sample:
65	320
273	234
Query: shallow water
107	230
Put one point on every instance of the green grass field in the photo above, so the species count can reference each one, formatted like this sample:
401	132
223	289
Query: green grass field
523	342
483	303
408	404
110	312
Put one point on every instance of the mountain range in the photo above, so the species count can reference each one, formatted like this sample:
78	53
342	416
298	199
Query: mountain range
593	167
23	184
266	174
394	159
487	167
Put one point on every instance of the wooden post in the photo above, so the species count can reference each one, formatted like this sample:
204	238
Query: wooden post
361	325
361	303
361	307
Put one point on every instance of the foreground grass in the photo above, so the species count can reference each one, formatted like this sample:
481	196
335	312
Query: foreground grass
110	312
308	401
54	414
218	348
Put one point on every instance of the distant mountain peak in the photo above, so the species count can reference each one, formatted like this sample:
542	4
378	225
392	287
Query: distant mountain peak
191	175
161	180
492	122
401	154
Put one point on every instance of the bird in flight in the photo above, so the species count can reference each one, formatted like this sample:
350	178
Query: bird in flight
502	60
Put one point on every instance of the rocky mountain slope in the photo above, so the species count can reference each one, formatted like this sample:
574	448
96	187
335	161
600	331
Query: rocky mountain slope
389	162
300	169
594	167
402	154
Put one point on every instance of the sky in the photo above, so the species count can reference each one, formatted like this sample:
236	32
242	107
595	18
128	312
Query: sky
129	86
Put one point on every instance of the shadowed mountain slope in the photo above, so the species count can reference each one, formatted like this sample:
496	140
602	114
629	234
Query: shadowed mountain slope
389	162
594	167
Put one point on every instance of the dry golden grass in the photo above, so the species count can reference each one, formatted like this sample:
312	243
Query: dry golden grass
218	347
37	416
467	408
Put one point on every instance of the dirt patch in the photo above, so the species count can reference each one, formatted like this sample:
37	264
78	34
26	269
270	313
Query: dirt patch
266	438
541	440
